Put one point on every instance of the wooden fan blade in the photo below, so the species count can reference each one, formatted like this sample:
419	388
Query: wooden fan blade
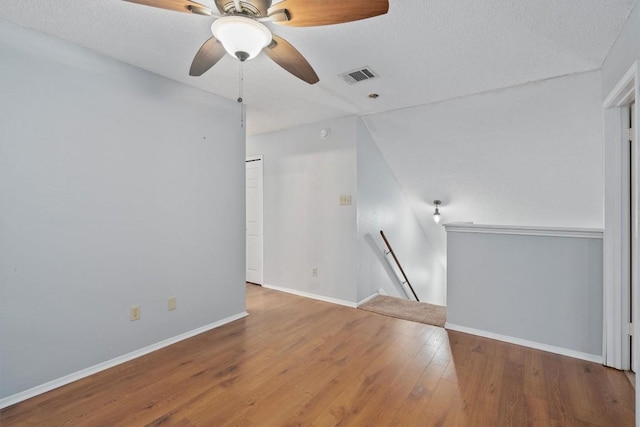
209	54
311	13
186	6
290	59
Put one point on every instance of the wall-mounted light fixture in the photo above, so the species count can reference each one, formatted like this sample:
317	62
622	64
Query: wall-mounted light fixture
436	214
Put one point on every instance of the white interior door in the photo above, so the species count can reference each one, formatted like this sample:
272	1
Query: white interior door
254	220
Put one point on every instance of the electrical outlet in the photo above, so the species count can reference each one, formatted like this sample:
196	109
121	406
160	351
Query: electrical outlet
135	312
314	271
172	303
345	200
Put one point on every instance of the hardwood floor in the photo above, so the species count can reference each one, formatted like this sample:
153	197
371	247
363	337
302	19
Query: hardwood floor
300	362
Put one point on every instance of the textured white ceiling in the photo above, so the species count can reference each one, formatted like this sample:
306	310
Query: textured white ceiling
423	50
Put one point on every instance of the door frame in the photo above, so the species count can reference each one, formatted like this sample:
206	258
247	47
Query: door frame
617	228
259	158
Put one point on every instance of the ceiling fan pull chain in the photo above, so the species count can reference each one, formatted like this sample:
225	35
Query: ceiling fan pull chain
240	92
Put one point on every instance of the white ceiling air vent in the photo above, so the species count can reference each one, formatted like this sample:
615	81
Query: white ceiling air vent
358	75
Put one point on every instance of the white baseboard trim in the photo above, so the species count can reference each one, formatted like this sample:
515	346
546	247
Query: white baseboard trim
526	343
367	299
312	296
43	388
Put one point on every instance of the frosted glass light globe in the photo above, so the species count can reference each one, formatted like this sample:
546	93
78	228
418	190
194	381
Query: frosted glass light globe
241	37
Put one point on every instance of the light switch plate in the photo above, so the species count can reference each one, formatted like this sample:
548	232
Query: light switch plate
134	312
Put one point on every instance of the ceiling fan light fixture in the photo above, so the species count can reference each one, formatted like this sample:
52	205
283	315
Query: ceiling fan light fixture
243	38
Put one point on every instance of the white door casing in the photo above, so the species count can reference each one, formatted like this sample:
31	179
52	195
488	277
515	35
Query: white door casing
254	228
632	284
620	248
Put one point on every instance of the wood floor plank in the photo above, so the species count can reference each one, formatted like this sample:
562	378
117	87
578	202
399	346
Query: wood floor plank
366	389
534	381
486	409
300	362
443	402
288	369
299	389
398	392
411	411
322	394
557	395
511	411
537	411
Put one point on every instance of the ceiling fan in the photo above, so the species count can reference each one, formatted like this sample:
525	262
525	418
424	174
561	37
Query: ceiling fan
239	30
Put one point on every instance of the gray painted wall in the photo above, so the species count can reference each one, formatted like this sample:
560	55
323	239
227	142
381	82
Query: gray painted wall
542	289
304	226
383	206
117	188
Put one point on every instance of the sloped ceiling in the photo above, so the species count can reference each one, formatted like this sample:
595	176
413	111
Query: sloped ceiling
424	50
524	156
